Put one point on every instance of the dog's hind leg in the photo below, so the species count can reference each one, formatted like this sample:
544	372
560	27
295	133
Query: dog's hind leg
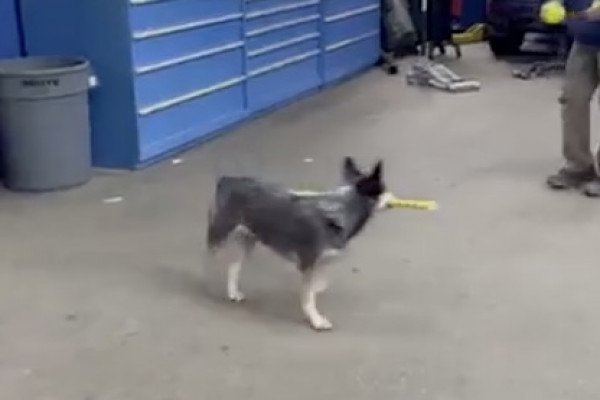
246	245
220	225
314	283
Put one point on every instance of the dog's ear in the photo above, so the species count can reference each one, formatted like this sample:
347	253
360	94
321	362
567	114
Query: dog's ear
377	173
350	171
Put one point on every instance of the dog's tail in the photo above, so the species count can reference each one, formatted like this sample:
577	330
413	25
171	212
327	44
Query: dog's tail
222	216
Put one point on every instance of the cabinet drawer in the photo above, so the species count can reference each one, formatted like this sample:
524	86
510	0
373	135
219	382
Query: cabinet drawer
351	26
164	84
186	43
273	38
349	57
150	15
282	51
277	85
332	7
254	7
266	23
189	121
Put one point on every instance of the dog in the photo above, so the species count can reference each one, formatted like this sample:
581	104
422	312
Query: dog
306	228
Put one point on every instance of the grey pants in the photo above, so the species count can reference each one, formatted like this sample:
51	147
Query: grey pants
581	81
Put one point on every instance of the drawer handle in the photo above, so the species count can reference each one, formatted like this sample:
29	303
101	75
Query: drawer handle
352	13
280	9
142	2
282	25
345	43
168	30
284	63
144	69
281	45
172	102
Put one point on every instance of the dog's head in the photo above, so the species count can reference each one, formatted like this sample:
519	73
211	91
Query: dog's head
369	185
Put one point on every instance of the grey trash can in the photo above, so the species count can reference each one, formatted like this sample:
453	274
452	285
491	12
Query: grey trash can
44	123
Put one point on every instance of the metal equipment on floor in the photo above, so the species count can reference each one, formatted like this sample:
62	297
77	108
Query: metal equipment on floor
555	64
429	73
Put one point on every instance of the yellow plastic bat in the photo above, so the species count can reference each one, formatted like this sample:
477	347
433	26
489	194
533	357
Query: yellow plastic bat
427	205
389	201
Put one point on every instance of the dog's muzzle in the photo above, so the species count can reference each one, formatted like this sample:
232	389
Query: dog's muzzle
385	200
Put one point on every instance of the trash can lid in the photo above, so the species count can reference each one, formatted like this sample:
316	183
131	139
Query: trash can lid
41	65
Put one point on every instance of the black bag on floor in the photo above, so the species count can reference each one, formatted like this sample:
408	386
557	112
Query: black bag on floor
398	34
439	19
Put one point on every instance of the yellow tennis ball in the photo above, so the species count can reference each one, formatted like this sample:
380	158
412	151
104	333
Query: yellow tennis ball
552	12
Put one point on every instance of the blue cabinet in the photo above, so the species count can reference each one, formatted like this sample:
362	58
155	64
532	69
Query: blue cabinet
188	62
282	50
176	72
350	36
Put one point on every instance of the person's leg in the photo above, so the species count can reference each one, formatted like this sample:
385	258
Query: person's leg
592	188
581	81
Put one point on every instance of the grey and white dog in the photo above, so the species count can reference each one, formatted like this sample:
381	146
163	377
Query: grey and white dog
305	228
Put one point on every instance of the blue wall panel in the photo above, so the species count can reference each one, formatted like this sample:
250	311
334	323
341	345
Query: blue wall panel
99	31
10	41
174	72
473	12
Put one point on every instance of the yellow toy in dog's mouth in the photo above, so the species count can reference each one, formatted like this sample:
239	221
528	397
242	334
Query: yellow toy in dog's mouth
391	201
387	200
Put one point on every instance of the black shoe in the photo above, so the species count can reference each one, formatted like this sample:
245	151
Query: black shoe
592	189
565	179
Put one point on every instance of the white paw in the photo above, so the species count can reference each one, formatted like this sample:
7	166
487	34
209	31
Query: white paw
236	297
321	324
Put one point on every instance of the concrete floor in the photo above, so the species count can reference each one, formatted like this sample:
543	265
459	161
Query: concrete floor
496	296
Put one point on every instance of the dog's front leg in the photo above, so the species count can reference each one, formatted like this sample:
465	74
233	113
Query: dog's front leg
233	282
313	284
